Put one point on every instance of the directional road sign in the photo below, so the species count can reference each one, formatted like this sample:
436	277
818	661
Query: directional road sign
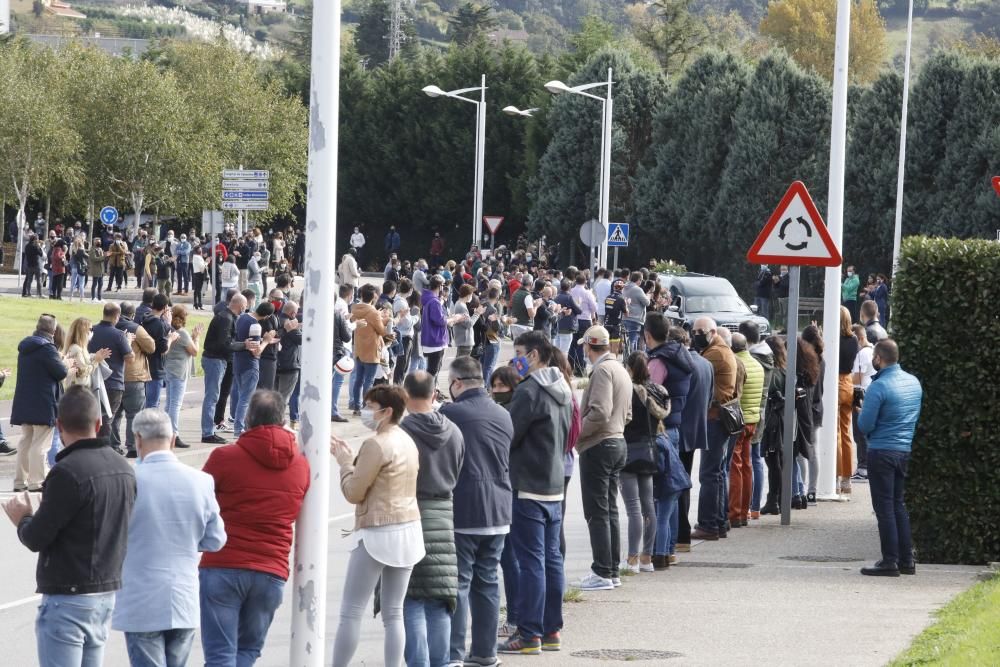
254	174
246	185
493	223
245	205
228	195
618	235
795	234
109	215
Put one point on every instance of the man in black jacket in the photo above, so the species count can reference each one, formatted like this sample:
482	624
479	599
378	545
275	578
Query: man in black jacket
220	343
79	531
162	335
290	354
32	266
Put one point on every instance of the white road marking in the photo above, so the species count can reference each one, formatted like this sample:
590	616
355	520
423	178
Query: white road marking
18	603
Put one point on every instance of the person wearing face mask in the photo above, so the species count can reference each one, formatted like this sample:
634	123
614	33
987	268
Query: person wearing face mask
434	325
80	561
542	412
712	509
849	292
381	481
781	294
368	344
181	251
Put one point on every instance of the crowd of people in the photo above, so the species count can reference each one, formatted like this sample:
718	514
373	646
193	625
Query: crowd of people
451	487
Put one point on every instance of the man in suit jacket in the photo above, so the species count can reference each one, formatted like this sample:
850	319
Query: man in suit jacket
175	518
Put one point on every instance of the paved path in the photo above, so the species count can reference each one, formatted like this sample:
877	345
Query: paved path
762	596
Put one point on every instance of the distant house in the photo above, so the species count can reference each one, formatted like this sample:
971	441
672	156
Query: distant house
500	35
266	6
61	9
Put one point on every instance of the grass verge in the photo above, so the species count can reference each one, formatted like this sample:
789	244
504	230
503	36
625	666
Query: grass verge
967	631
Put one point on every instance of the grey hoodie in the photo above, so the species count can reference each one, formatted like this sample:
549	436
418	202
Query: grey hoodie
762	353
441	449
542	411
637	302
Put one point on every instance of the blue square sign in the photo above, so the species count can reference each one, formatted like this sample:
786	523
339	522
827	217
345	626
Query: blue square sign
618	235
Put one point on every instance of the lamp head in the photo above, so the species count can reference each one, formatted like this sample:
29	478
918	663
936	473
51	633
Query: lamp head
433	91
556	87
514	111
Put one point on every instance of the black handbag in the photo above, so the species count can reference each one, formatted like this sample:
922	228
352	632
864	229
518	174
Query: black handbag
731	417
640	457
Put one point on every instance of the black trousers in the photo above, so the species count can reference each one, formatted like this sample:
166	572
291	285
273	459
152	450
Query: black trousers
114	402
402	361
774	467
199	281
684	503
29	275
224	389
268	374
600	468
434	360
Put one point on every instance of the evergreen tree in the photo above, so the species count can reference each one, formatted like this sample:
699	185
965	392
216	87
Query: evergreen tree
470	22
371	35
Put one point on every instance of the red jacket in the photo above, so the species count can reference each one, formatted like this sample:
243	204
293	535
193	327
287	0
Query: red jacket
260	482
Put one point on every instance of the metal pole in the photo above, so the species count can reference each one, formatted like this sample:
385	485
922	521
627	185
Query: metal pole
312	528
606	173
477	229
826	436
788	441
616	258
897	238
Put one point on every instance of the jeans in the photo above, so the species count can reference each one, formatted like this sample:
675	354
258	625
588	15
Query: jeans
244	385
428	632
183	276
512	580
757	463
666	524
600	466
763	304
338	383
285	384
361	381
293	400
168	648
403	360
711	510
637	492
491	352
237	607
97	288
214	370
887	480
54	448
535	533
478	595
633	330
71	630
563	341
861	440
76	282
153	390
175	396
133	401
577	360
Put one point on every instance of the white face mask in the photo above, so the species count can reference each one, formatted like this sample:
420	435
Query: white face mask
369	420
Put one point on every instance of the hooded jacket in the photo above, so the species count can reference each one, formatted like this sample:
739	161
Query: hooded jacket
694	423
40	370
541	410
677	360
137	368
761	352
752	390
260	482
368	341
434	324
441	449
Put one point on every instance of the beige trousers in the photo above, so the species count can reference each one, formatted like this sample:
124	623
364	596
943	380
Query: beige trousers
32	453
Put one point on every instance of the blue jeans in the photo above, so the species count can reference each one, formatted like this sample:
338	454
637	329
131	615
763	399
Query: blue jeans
153	389
757	461
54	448
633	330
237	607
417	363
428	631
711	510
72	629
338	383
293	401
168	648
214	370
727	466
244	385
175	396
535	533
491	352
478	593
763	307
511	581
362	380
183	276
666	524
76	282
887	481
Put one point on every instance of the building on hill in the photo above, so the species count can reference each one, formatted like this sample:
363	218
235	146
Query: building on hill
61	9
266	6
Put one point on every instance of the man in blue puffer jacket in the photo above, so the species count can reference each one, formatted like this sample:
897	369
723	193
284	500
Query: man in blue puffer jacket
888	418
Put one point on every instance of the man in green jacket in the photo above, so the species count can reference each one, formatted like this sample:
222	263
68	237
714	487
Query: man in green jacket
849	293
741	471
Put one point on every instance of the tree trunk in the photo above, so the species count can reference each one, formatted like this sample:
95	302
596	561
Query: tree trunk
137	201
22	202
48	213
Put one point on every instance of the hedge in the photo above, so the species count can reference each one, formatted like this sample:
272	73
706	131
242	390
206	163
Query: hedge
946	319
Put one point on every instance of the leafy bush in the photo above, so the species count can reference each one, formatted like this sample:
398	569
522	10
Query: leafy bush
946	317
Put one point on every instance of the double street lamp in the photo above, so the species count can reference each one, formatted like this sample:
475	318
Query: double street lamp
477	212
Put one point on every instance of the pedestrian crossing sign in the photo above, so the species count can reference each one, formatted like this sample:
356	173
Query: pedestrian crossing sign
618	235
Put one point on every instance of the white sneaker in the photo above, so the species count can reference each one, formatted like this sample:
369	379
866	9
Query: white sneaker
646	567
616	582
632	567
593	582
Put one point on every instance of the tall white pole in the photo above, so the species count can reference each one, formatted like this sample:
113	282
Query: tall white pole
477	228
308	641
897	238
4	17
606	172
826	437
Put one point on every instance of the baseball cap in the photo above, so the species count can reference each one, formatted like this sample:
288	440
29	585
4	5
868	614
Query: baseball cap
596	335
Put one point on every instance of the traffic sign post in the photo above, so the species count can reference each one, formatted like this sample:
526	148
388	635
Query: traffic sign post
109	215
794	235
618	238
245	190
593	234
493	223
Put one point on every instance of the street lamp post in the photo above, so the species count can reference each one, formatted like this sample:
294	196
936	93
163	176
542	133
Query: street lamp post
558	87
477	212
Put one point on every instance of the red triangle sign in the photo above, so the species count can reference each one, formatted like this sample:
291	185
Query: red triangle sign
795	234
996	184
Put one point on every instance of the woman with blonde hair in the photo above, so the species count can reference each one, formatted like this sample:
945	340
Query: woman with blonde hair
75	349
177	364
78	265
845	402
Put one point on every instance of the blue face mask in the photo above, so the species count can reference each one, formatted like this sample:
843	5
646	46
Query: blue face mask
520	365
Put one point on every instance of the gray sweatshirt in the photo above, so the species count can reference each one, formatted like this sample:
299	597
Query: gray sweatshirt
637	302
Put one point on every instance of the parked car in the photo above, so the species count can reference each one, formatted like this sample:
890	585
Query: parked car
697	295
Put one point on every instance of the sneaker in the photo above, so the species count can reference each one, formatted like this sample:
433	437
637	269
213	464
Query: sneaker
552	642
476	661
594	582
230	420
224	428
180	444
338	419
522	645
683	547
672	559
647	567
18	488
506	629
293	424
616	581
6	449
632	567
811	498
860	476
214	440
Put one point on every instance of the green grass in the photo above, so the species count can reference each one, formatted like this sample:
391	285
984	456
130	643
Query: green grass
573	594
19	316
967	632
